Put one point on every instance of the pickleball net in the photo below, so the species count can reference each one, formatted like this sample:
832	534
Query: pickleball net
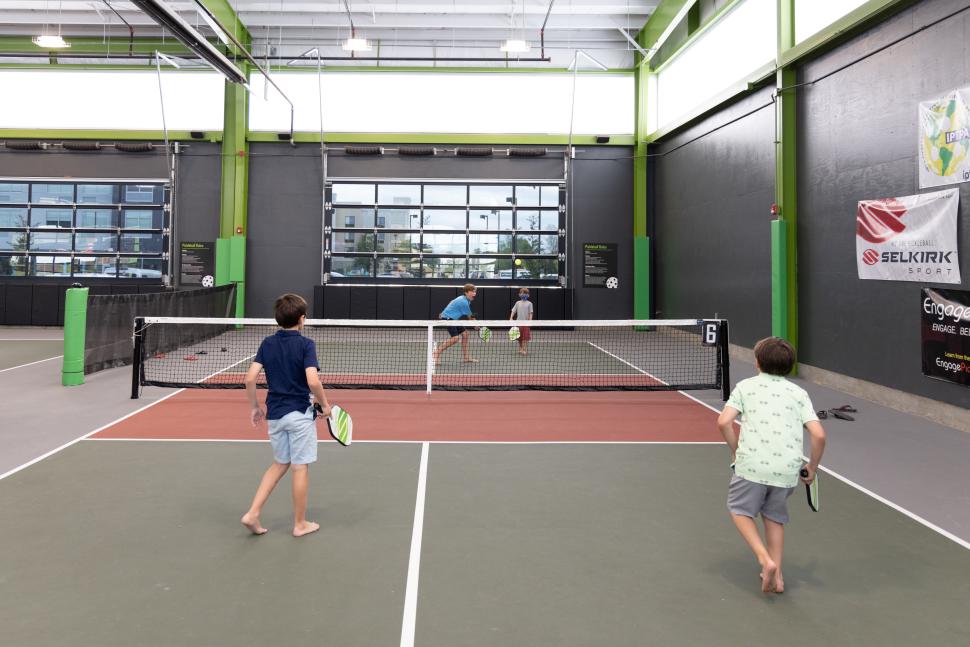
642	355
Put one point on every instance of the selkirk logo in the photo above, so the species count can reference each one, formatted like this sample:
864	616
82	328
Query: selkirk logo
870	257
878	221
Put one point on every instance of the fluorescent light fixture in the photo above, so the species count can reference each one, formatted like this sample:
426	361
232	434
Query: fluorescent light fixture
356	45
165	16
50	42
512	46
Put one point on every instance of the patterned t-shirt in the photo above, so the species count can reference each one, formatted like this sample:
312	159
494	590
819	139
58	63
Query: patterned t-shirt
773	414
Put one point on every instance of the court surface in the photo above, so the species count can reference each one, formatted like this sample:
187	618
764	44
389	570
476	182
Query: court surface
22	346
466	519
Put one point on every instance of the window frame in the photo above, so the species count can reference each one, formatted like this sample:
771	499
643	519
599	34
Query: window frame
503	272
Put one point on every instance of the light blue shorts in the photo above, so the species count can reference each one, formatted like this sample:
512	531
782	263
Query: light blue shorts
294	438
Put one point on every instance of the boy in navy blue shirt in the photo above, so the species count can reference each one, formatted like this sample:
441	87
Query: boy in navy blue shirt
290	361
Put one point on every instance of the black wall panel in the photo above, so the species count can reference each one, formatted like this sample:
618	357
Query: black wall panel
550	304
336	305
3	304
857	140
316	306
417	304
43	307
19	305
497	302
710	224
390	303
363	302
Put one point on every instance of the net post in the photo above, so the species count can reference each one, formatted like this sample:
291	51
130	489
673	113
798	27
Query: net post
136	358
429	369
723	352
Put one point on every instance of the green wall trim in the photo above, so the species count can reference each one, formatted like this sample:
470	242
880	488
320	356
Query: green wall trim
444	138
857	20
311	68
237	259
779	286
641	278
126	135
75	329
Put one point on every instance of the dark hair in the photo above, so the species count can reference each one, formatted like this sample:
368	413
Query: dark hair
775	356
289	308
468	288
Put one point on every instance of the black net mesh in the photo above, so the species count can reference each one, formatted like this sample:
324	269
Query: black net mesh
563	355
108	328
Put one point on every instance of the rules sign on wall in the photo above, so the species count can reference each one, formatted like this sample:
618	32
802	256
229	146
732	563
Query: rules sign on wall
945	331
599	265
197	263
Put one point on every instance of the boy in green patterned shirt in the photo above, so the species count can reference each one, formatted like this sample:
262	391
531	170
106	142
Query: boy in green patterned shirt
767	452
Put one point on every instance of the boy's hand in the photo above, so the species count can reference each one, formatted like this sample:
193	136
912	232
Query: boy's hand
256	416
807	474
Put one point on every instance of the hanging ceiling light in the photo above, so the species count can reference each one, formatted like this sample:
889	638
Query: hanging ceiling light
356	45
516	45
50	41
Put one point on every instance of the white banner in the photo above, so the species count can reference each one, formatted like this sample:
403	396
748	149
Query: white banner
944	140
913	238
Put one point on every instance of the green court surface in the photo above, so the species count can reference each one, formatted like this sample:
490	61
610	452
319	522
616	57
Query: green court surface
138	543
17	352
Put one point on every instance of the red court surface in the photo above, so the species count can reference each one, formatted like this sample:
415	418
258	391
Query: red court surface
470	416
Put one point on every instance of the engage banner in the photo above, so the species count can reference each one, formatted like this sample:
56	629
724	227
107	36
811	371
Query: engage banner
913	238
944	140
945	331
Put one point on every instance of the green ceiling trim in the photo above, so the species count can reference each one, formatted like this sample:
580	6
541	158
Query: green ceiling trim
444	139
228	18
659	20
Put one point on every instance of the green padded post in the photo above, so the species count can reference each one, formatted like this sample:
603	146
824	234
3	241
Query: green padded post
641	279
779	273
75	325
222	261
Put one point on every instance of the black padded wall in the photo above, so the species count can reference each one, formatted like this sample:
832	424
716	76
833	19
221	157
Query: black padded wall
711	192
858	140
285	221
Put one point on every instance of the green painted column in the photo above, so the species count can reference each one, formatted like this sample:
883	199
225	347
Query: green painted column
784	288
230	254
641	244
75	329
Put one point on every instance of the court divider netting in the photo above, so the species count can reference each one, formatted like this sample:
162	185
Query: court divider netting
578	355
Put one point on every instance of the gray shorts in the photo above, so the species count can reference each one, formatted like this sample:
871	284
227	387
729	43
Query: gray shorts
750	499
294	438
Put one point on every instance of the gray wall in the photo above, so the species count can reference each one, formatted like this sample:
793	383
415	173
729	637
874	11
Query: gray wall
858	140
710	193
285	220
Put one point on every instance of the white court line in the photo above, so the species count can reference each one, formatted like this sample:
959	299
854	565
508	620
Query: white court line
55	339
90	433
414	562
4	370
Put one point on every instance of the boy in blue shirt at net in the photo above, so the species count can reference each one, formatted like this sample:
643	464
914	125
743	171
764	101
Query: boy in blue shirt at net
290	362
767	453
458	308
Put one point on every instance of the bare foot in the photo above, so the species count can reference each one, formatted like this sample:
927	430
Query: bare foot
768	575
305	528
252	522
779	583
522	352
470	360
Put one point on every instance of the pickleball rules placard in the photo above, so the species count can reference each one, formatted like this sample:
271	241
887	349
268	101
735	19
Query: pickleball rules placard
945	333
599	265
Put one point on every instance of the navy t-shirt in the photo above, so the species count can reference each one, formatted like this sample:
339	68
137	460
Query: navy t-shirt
285	357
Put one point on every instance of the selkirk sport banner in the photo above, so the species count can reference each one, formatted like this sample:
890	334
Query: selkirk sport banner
944	140
945	335
913	238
